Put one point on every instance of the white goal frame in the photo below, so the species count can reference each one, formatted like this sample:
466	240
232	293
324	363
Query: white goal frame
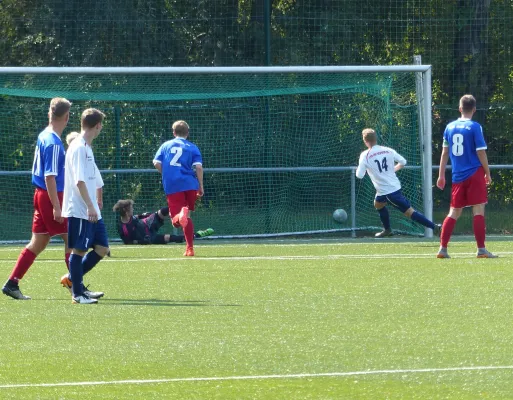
424	99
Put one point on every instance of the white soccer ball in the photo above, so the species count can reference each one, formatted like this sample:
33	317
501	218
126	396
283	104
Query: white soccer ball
340	215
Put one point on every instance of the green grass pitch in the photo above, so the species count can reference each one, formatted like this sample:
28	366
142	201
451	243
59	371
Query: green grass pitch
294	319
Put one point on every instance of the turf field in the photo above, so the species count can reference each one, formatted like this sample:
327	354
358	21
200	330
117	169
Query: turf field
267	320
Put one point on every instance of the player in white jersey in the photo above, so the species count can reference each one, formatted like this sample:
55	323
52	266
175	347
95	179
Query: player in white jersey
85	225
381	163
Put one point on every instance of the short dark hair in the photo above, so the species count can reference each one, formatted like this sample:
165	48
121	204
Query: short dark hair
467	103
59	107
122	206
91	117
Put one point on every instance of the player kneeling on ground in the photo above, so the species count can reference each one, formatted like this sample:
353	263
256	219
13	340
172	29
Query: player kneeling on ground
143	228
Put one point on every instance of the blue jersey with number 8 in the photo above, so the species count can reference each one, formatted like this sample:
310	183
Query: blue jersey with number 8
464	137
178	156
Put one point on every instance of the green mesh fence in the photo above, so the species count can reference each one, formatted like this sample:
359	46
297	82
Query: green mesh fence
278	149
468	43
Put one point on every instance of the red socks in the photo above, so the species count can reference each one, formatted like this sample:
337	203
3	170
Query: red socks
447	228
189	234
479	226
25	260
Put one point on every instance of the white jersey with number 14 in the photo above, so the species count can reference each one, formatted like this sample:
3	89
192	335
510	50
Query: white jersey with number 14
379	163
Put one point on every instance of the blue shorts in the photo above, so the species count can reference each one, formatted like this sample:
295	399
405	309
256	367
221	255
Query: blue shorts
397	199
83	235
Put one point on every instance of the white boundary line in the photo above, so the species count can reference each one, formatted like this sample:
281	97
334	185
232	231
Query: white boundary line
262	377
207	242
458	255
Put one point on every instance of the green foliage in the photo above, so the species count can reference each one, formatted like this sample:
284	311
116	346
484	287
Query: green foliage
467	42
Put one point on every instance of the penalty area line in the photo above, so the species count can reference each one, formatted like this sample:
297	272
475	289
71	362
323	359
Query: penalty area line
262	377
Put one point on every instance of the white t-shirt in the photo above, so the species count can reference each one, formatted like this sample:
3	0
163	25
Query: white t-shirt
99	179
79	166
379	163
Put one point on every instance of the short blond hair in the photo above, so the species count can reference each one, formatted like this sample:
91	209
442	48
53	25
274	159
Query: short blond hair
181	128
369	135
71	136
59	107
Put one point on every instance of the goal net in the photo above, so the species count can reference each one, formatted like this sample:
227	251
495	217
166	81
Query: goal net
279	144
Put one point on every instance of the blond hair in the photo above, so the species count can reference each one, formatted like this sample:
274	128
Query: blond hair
71	136
369	136
59	107
181	128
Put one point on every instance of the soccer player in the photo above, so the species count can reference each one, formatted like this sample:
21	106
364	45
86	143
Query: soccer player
48	179
465	145
85	225
180	163
380	163
143	228
99	180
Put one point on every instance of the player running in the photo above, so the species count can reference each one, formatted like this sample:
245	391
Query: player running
181	165
380	163
465	145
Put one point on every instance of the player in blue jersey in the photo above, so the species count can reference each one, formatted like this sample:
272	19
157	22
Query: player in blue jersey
465	145
48	179
181	165
381	163
143	228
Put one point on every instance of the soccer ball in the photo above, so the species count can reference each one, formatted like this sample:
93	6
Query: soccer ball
340	215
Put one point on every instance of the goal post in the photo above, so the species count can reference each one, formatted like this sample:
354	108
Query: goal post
280	144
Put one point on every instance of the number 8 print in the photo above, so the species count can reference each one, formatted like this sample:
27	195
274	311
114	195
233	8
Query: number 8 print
457	146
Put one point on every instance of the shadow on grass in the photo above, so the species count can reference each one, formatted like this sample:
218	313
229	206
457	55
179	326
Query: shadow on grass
163	303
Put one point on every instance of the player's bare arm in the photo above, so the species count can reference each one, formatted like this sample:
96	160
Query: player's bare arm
51	187
91	211
398	167
99	198
158	166
483	158
444	159
361	170
199	175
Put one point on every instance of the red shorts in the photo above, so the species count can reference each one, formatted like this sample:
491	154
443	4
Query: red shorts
176	201
43	221
471	192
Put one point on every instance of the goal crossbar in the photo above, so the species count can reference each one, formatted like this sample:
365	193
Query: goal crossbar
211	70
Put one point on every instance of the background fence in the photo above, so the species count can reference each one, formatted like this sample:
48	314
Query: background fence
469	43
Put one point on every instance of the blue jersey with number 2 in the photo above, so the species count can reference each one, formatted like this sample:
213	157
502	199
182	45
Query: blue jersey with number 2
178	156
464	137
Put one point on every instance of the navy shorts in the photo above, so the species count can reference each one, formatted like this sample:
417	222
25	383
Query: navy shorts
397	199
84	235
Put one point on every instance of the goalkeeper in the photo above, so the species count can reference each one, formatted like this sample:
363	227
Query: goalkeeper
143	228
